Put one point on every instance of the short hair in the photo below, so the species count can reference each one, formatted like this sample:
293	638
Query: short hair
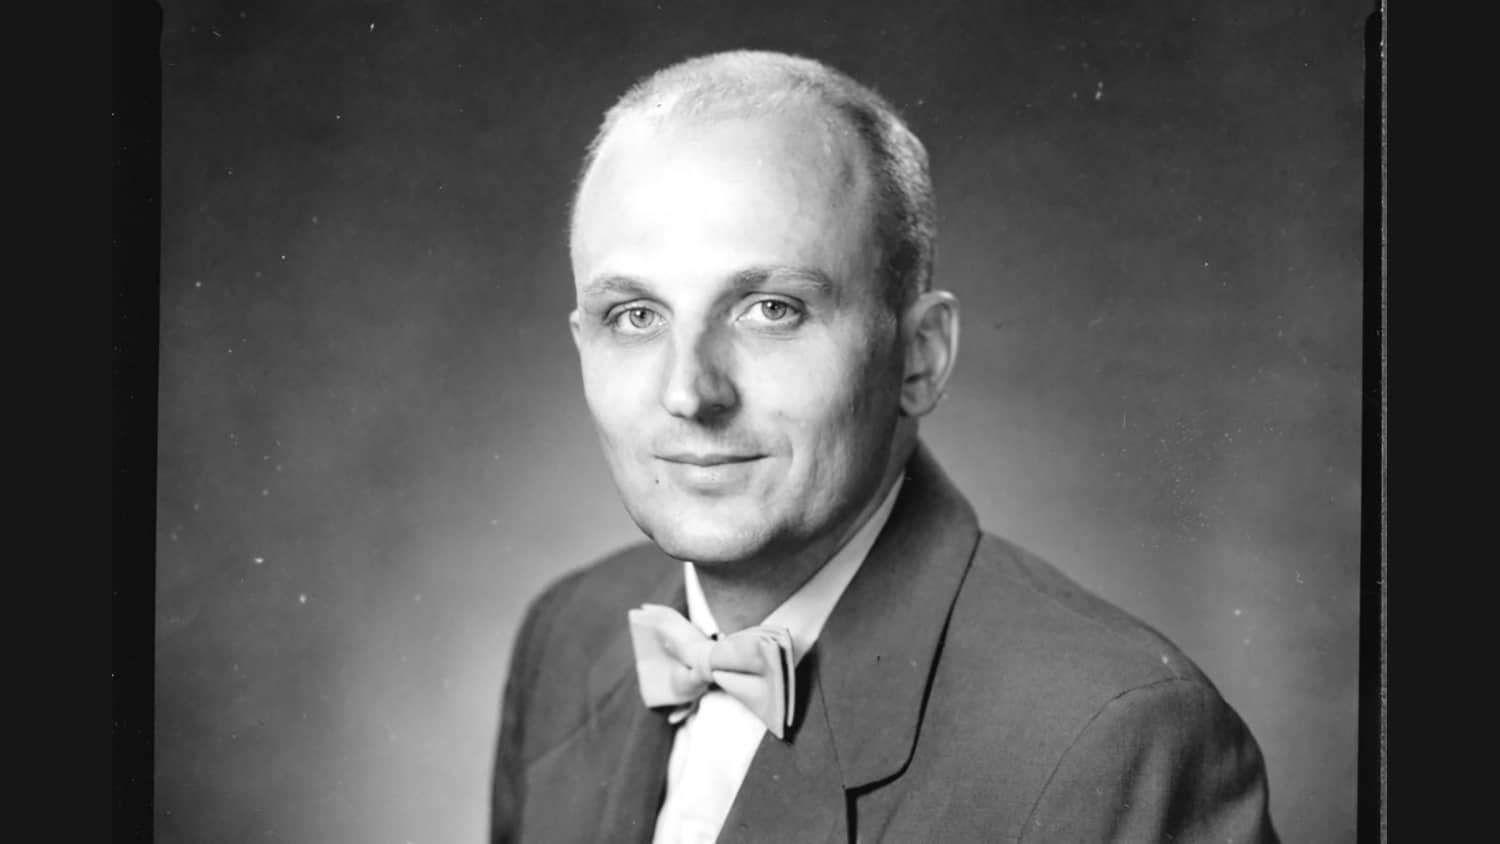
744	82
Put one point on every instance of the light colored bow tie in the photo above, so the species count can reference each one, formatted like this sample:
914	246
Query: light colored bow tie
677	663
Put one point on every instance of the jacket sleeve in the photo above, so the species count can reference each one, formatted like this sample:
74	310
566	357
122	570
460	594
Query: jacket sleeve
1165	762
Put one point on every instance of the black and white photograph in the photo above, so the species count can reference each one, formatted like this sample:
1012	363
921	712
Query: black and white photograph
653	421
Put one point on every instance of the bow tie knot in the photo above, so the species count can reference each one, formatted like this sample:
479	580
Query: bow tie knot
676	664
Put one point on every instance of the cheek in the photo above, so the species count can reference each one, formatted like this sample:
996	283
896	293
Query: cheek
830	401
799	388
612	391
857	415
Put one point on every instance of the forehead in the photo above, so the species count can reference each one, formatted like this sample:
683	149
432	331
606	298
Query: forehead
768	188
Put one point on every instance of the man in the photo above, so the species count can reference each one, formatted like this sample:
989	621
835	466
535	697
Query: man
819	644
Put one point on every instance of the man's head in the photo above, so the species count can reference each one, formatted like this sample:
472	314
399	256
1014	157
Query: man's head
752	251
749	83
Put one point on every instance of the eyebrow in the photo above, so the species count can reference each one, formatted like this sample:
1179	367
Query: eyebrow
740	282
807	277
615	284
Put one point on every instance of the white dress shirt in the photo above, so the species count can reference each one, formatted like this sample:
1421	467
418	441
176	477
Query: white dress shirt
713	747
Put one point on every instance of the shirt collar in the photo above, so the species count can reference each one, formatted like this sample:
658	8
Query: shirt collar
806	610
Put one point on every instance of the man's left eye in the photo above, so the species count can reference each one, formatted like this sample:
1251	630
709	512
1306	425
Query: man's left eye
774	310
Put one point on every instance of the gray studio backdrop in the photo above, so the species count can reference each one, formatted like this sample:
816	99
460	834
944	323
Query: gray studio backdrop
374	448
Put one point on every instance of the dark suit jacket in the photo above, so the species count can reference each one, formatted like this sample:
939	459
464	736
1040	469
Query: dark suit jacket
962	690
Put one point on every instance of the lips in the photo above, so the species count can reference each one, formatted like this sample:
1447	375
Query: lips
708	458
709	474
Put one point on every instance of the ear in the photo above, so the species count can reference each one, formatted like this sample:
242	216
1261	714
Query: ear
930	332
575	322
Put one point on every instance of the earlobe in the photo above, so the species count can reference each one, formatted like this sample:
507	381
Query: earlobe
931	327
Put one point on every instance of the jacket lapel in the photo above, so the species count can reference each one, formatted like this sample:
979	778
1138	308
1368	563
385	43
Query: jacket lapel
793	792
638	780
621	752
867	676
883	638
634	788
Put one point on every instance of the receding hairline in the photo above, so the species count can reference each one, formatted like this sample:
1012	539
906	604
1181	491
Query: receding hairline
737	82
751	83
690	95
846	157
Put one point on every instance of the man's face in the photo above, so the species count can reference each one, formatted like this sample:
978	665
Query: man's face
739	360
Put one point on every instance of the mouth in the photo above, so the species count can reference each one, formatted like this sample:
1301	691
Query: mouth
708	458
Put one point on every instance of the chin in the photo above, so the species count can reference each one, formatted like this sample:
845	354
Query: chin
702	540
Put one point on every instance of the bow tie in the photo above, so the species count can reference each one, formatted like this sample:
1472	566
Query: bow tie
676	663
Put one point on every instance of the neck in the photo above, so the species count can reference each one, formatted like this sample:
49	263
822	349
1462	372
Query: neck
742	596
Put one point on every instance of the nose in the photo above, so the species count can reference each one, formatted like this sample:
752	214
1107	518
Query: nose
697	384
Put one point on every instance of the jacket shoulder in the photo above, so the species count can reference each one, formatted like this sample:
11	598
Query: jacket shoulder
564	631
1050	623
1030	658
590	603
1141	745
1072	691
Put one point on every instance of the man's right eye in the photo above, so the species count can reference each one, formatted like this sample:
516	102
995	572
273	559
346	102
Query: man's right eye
635	320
